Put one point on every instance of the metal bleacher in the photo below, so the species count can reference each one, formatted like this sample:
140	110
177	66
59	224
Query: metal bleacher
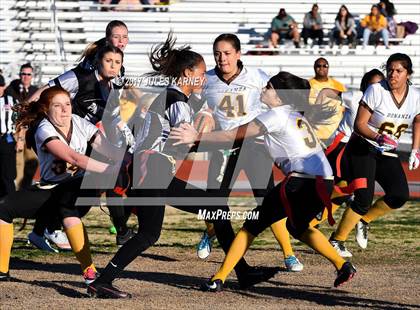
53	33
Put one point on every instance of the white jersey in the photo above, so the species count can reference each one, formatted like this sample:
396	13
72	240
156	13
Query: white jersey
54	170
387	116
238	102
7	116
350	101
292	143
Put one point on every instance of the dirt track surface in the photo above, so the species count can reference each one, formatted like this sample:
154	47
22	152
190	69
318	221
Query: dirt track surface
168	278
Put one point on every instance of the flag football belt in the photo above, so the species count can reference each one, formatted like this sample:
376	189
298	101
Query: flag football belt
321	190
335	143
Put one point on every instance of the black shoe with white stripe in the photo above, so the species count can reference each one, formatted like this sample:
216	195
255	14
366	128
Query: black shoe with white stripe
212	286
5	276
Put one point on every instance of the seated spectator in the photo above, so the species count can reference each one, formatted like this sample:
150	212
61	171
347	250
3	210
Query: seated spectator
344	28
128	5
149	2
108	4
283	26
375	24
388	10
312	26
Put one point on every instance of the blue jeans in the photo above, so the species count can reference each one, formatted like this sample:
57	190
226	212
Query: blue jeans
367	32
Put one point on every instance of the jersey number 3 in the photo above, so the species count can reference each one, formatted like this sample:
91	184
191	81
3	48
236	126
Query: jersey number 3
233	110
310	140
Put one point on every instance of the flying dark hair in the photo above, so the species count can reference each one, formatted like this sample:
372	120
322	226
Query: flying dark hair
228	37
294	91
367	77
172	62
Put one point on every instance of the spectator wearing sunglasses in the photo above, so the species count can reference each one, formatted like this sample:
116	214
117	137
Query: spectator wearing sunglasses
26	161
320	81
21	88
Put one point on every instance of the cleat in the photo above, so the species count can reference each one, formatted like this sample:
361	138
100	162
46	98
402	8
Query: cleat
122	239
59	238
346	273
40	242
90	275
105	290
293	264
361	231
205	245
212	286
5	276
340	248
256	275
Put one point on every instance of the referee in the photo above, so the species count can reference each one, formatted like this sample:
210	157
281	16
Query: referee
7	142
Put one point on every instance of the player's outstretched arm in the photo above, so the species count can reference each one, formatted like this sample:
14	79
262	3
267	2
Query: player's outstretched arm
64	152
103	146
327	93
186	134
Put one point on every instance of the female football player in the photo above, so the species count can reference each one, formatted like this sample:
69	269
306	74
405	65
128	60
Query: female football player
61	140
335	151
386	110
232	92
305	191
89	91
155	169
